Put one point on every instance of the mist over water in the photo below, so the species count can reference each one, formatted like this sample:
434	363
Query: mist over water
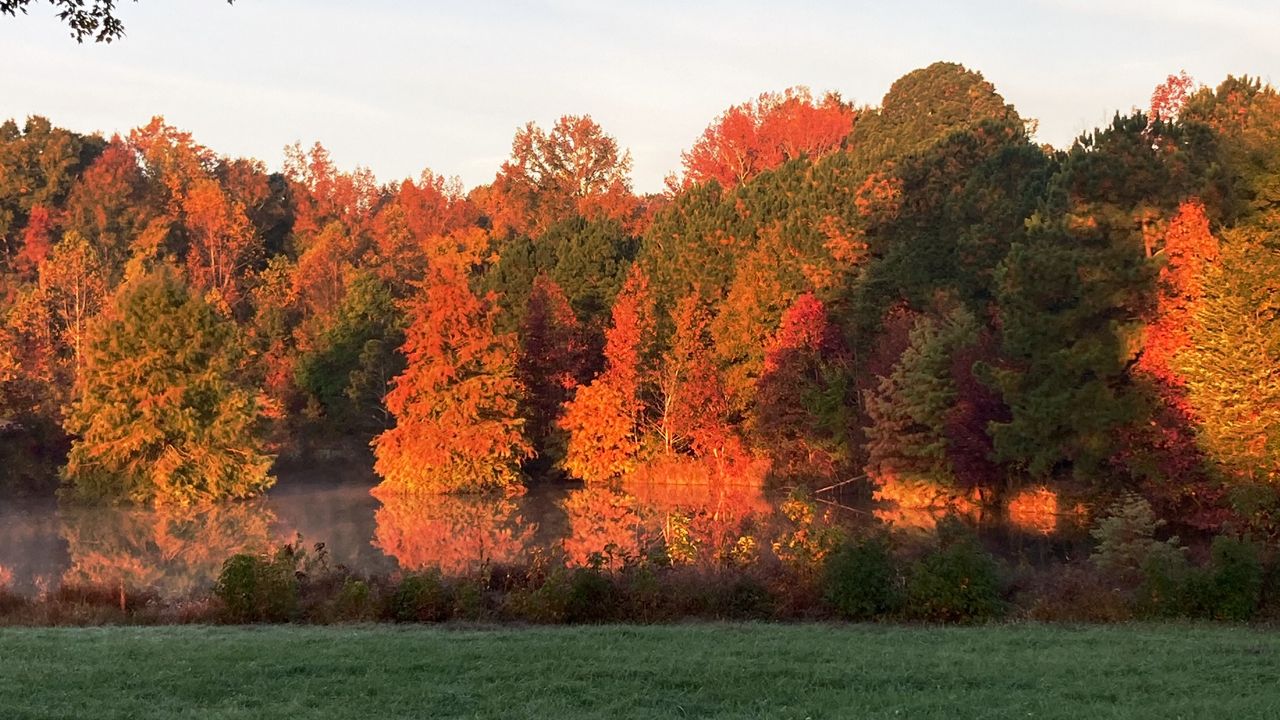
177	551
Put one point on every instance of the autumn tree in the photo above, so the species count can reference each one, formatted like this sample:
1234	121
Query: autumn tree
221	241
573	169
604	419
72	288
1230	364
693	411
431	206
763	133
456	405
162	414
802	412
39	164
1187	250
1170	96
551	366
109	205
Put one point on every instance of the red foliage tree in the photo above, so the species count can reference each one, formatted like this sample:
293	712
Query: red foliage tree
755	136
37	240
551	359
1170	96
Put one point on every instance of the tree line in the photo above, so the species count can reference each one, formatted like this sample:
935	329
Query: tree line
914	292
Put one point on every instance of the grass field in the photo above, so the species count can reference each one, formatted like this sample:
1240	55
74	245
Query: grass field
716	671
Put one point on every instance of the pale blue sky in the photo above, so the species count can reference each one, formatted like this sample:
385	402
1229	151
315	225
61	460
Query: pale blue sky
400	86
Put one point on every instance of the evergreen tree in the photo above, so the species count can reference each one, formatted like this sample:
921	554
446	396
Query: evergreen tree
162	413
907	439
340	373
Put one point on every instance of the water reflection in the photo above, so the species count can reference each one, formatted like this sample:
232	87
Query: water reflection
173	552
177	552
605	527
455	533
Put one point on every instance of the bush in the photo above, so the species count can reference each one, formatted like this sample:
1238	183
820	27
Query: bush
860	580
420	597
1231	587
1228	588
354	601
746	598
957	582
1167	578
544	600
259	588
591	596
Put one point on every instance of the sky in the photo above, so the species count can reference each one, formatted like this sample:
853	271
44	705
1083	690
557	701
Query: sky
399	87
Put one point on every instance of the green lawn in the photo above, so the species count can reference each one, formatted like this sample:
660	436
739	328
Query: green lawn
674	671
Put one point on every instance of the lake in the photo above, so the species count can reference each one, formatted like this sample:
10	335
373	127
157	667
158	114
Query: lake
175	552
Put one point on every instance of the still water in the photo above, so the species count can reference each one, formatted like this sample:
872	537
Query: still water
175	552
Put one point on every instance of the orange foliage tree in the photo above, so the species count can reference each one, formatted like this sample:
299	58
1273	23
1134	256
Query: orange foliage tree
604	418
430	207
755	136
693	409
222	242
1189	248
574	169
457	424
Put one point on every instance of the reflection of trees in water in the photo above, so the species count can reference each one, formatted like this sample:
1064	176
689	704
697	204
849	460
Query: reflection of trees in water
172	551
602	520
455	533
1034	510
703	521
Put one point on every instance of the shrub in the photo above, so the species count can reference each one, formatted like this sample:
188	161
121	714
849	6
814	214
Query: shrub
1167	578
1231	587
745	597
259	588
420	597
956	582
354	600
860	580
591	597
544	600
